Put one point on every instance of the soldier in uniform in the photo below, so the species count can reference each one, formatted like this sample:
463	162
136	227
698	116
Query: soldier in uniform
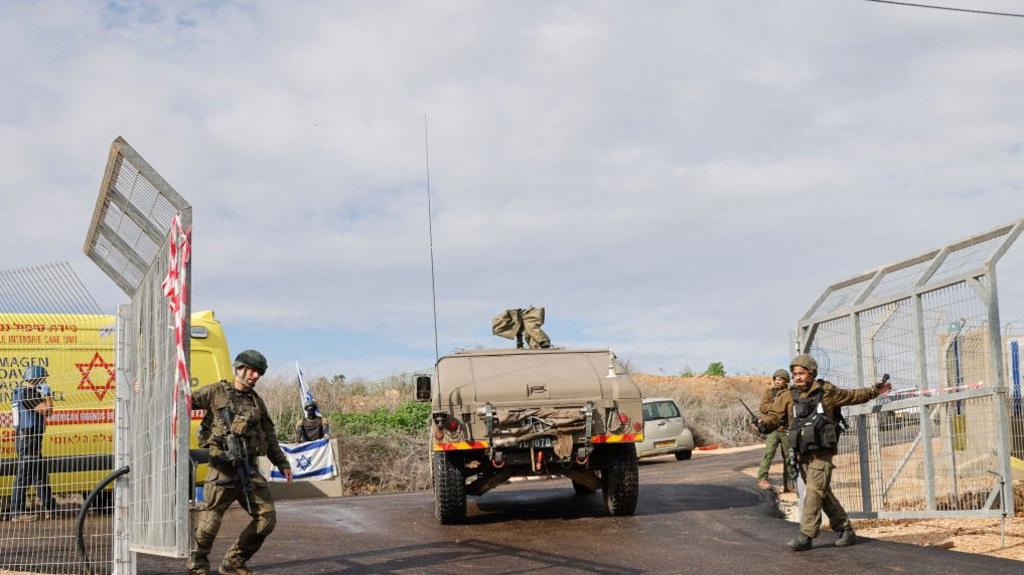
813	407
252	423
776	438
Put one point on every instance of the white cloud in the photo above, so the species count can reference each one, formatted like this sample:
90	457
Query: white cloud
677	181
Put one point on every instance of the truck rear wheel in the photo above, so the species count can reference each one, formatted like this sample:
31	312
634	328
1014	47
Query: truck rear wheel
621	480
449	488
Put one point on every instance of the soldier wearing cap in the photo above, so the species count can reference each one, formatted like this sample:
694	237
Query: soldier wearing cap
814	408
251	421
776	438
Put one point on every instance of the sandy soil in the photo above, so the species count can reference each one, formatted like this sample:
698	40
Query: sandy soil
981	536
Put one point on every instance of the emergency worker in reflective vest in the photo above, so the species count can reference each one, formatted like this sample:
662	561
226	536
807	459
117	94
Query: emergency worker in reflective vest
251	426
813	408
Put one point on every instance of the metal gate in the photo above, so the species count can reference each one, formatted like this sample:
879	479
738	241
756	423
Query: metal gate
140	238
939	443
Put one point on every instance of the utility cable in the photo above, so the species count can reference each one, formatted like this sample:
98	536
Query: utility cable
948	8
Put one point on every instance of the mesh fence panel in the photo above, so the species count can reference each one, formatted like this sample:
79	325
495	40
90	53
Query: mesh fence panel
129	241
938	443
49	324
963	475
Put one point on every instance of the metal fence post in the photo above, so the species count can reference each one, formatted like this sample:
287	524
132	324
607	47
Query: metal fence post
862	444
1001	402
123	557
925	414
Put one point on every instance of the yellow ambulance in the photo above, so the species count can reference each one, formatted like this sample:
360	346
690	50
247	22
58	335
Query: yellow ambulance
77	352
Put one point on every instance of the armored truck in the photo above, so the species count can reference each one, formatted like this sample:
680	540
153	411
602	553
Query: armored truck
532	413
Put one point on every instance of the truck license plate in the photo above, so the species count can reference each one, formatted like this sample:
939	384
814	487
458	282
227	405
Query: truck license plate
665	443
542	442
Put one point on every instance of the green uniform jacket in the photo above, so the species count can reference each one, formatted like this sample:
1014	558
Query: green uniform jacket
251	421
768	399
781	411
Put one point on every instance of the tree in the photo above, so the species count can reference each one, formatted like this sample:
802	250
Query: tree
687	371
715	369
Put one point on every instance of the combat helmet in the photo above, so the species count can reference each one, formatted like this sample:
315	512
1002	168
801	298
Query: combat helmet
34	372
781	374
805	361
252	359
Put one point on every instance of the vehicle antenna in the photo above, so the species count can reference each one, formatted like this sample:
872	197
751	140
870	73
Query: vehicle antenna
430	231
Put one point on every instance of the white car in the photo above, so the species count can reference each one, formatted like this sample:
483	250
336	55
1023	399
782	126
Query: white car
665	430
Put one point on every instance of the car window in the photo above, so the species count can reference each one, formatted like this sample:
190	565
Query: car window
650	411
667	409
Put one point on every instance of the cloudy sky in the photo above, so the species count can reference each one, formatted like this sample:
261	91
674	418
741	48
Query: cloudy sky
676	180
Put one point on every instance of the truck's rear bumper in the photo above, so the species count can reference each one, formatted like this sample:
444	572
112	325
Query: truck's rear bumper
469	445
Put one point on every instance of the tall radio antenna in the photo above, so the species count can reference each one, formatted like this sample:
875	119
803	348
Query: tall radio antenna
430	230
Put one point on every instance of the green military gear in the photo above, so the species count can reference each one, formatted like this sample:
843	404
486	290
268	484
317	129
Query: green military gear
816	465
773	441
514	323
252	359
818	497
847	537
781	374
251	422
800	543
805	361
217	499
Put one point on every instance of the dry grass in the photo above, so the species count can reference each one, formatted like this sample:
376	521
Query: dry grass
389	462
711	404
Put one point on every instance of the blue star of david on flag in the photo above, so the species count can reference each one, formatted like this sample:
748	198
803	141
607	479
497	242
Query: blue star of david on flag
304	462
311	460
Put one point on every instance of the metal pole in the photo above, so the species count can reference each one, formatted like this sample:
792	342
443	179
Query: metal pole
1001	403
123	557
862	439
925	416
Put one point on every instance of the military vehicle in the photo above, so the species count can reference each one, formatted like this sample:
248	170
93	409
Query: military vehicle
534	413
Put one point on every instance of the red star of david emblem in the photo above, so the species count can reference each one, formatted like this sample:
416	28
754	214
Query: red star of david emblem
86	370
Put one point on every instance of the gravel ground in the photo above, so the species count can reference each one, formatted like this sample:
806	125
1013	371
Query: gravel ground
980	536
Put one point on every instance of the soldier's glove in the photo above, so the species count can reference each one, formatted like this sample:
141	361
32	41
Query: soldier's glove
762	427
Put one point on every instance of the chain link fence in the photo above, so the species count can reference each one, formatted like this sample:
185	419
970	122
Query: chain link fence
939	444
56	413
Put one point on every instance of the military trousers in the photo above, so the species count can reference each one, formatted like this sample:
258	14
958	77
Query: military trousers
818	497
772	442
218	496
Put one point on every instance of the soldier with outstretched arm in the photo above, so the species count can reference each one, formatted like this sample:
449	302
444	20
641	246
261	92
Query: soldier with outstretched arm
812	409
236	429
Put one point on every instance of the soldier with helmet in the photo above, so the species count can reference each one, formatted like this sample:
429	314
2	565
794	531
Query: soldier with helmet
813	407
776	438
251	422
31	403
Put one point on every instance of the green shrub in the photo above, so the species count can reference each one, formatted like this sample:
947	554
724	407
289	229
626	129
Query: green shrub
408	417
715	369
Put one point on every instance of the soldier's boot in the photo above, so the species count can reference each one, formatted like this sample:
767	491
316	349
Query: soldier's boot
800	543
231	568
763	483
847	537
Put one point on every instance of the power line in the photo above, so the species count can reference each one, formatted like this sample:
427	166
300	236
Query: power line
949	8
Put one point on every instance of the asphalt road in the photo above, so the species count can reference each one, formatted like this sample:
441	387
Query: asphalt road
697	516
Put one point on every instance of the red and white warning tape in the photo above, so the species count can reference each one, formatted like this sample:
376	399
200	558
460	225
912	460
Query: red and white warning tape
180	252
906	393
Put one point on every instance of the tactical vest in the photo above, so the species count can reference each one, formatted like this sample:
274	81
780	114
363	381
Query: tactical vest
812	428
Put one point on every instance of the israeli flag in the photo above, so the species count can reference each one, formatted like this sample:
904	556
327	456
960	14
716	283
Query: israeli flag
305	393
310	461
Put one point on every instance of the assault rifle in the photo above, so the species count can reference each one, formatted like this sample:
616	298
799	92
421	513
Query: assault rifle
755	420
237	454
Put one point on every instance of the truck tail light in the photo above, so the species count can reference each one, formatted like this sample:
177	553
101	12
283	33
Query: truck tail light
452	425
623	419
638	426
